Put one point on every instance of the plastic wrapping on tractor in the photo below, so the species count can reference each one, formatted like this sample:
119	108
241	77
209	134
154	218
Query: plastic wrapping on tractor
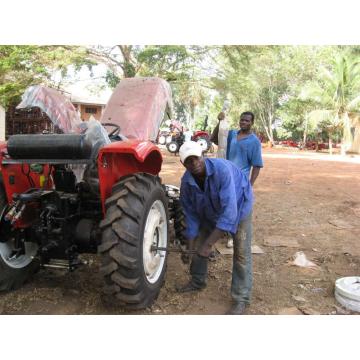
56	106
49	146
96	135
138	106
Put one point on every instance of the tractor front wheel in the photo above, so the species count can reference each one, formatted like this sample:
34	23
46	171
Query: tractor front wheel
173	147
204	143
136	221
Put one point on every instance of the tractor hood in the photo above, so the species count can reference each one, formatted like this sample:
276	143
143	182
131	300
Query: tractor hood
55	105
138	106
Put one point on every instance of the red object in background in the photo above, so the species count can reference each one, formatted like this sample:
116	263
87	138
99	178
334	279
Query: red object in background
200	134
321	145
261	138
290	143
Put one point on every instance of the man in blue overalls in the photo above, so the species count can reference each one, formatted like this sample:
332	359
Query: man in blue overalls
217	198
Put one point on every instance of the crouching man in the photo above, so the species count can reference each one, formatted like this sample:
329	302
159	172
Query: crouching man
217	197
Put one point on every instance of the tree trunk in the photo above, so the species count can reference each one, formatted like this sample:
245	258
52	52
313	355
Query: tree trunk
305	133
347	137
128	66
271	135
330	146
266	128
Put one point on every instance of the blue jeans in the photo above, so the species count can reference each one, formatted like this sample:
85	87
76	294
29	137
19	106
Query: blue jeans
241	283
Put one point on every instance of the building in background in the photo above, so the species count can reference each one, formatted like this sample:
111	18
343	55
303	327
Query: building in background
88	106
32	121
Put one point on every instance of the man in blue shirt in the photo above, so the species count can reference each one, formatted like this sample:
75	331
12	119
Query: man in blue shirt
244	148
216	198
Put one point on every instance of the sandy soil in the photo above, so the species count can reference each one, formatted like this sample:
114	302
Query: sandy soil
310	199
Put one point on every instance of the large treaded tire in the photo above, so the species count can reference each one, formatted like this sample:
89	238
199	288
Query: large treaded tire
122	245
176	212
12	278
179	222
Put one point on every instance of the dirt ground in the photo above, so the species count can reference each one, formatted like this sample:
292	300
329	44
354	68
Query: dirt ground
310	200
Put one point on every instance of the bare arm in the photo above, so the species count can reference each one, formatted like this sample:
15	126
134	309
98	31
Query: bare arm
215	134
254	174
215	235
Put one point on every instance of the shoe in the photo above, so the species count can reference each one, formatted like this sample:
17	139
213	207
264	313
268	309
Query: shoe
237	309
190	286
230	243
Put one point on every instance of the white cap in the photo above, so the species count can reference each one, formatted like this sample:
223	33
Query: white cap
189	148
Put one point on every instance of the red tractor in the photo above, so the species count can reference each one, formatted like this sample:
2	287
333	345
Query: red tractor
77	192
203	138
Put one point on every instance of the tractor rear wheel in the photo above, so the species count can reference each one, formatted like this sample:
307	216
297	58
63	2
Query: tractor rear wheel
136	219
16	265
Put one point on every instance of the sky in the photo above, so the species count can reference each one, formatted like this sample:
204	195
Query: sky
86	84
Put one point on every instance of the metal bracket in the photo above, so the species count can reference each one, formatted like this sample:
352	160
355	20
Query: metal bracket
178	250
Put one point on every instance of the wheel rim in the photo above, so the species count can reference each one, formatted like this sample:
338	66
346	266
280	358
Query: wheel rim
155	234
17	262
172	147
162	140
203	144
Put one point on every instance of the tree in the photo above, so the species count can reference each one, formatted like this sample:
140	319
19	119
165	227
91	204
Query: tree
267	80
171	62
336	94
180	65
25	65
259	84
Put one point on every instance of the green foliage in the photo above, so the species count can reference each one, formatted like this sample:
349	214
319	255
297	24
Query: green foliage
336	93
311	90
111	79
268	80
25	65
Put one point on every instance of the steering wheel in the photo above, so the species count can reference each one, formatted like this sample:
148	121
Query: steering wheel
114	132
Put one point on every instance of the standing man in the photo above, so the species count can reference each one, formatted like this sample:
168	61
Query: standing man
243	149
217	198
243	146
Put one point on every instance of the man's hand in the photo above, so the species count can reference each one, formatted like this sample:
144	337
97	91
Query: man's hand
205	250
185	258
254	174
221	116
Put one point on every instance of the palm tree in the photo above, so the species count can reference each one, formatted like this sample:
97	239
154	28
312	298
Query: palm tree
336	96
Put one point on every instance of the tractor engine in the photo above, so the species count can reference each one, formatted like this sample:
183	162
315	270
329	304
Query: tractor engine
62	219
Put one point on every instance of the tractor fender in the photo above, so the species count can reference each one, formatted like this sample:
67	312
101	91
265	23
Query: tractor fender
122	158
200	133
